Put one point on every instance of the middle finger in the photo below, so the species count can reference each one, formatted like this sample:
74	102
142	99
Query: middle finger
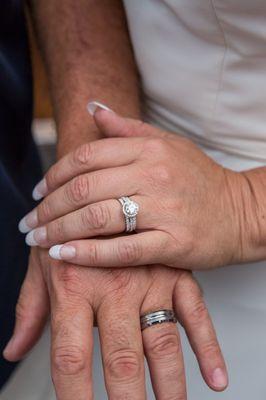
122	350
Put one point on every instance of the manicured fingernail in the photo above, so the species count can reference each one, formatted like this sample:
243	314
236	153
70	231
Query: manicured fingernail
93	105
36	236
40	190
8	349
62	252
28	222
219	378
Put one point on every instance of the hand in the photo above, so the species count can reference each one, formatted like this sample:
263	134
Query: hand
115	299
188	217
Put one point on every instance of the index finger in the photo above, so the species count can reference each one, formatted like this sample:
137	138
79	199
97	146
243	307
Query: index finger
71	341
104	153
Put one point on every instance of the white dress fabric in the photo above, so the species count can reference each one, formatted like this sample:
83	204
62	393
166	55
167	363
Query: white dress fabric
203	70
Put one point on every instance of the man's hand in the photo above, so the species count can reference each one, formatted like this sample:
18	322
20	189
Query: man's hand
114	300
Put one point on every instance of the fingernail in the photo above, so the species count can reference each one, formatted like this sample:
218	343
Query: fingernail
40	190
36	236
8	348
62	252
219	378
93	105
28	222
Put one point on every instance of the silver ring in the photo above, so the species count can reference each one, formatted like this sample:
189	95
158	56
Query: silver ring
157	317
130	210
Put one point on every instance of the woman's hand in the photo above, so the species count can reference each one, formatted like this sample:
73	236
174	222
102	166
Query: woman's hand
190	207
115	299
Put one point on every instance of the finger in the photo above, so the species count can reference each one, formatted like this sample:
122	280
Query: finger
132	250
194	316
163	347
105	153
122	350
112	125
99	219
81	191
71	336
31	312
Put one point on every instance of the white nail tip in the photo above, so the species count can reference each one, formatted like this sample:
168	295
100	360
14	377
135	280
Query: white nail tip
93	105
30	239
54	252
23	226
40	190
36	195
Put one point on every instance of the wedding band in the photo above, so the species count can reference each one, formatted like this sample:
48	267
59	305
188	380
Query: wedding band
157	317
130	210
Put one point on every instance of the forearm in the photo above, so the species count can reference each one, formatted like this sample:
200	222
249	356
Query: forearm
88	56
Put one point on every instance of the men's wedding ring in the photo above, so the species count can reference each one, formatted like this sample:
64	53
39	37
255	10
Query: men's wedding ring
157	317
130	210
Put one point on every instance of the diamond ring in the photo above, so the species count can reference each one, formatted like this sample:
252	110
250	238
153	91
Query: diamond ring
130	210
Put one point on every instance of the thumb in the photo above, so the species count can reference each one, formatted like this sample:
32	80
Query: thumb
113	125
31	313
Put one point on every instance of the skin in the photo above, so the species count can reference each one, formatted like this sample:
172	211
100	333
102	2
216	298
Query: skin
172	181
75	297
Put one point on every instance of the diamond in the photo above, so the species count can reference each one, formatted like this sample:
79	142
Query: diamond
131	209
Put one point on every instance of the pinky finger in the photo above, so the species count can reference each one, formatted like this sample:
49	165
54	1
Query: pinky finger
193	315
124	251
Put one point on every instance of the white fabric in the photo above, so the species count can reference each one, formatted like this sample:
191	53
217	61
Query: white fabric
203	67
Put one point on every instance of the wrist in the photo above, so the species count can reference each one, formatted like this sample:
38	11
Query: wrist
249	215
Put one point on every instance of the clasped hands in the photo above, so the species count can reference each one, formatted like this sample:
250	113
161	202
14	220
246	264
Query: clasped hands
183	224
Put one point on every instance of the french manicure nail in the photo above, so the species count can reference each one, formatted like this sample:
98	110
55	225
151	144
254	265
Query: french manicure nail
8	348
40	190
62	252
219	378
93	105
28	222
36	236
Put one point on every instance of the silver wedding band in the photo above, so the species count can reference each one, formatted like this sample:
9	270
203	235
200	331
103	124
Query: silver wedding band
130	210
157	317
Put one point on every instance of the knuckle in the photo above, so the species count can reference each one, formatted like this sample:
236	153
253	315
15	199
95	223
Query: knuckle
163	174
51	177
129	253
199	312
77	191
155	145
44	211
68	360
67	281
56	231
92	254
124	365
165	344
211	350
82	155
96	216
118	283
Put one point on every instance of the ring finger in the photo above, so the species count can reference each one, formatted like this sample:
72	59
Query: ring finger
99	219
83	190
163	350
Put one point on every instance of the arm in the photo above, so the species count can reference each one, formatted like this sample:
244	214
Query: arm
87	53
